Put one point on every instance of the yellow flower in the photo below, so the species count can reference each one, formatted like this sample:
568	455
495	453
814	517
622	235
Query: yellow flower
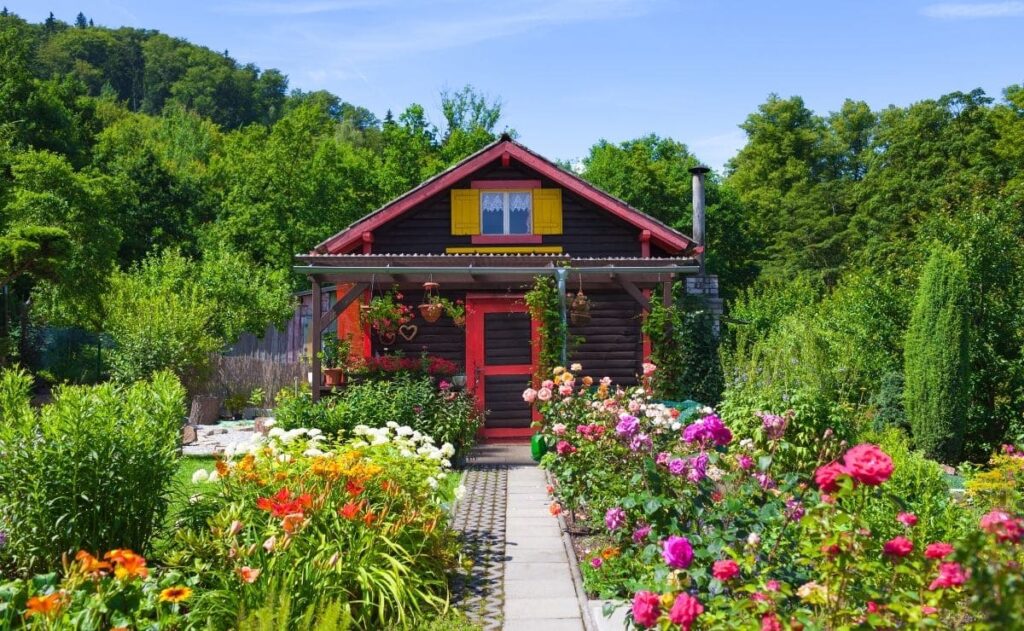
558	370
175	594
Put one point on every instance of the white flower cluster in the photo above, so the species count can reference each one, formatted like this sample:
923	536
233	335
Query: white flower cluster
410	443
661	416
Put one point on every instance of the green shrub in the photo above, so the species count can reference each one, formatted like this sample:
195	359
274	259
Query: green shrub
445	416
936	358
89	471
685	350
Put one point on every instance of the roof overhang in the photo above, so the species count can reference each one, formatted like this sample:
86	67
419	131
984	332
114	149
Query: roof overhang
664	236
474	270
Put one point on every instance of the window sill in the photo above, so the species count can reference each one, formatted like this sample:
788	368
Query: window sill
507	239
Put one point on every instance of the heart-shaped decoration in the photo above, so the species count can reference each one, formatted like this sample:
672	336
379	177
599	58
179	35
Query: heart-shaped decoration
408	331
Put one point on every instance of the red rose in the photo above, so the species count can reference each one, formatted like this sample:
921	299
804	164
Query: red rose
827	477
950	575
685	610
868	464
646	608
725	570
1003	525
938	550
898	547
907	519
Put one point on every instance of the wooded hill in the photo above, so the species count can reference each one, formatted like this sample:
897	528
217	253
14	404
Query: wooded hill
118	144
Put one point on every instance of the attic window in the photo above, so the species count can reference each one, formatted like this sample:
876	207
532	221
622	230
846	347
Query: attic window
505	212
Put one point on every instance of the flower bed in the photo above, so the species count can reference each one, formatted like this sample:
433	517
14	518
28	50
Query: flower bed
341	534
696	528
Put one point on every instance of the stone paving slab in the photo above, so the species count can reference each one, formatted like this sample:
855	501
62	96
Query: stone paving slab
480	518
550	624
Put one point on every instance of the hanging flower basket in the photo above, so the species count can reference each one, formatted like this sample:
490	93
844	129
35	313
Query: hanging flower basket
385	314
386	337
433	304
579	310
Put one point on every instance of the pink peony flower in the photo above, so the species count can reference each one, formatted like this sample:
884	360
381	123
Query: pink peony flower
938	550
827	477
677	552
770	622
646	609
950	575
564	448
1003	525
615	518
529	395
907	519
685	611
544	394
868	464
725	570
898	547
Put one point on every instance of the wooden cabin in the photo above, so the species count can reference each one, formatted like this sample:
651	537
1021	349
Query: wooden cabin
483	230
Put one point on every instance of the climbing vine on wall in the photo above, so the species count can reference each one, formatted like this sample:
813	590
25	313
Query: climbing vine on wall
685	350
545	308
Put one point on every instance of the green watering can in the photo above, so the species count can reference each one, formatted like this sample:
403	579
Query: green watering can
538	446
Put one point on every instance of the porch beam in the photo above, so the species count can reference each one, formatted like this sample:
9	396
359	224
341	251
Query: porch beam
666	291
336	309
635	292
316	329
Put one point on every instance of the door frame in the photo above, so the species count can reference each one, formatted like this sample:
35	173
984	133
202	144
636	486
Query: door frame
477	304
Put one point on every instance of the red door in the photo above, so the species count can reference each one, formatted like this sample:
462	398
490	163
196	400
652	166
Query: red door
501	353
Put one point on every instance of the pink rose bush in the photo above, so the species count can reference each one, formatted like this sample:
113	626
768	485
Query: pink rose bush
709	530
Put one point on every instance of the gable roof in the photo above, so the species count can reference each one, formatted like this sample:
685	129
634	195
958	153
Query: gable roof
666	237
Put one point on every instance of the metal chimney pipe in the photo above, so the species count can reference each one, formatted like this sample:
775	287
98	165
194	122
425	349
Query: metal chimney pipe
698	209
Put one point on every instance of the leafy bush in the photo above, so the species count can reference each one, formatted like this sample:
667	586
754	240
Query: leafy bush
357	525
1001	485
708	533
90	470
685	350
936	357
445	415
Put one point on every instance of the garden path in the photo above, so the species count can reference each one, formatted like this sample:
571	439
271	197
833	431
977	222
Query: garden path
538	584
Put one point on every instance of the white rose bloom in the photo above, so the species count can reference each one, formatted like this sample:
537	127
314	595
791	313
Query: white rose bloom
677	426
447	464
404	430
753	539
391	424
201	475
448	450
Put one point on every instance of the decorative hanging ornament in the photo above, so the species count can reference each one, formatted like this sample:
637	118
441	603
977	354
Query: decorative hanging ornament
432	307
579	310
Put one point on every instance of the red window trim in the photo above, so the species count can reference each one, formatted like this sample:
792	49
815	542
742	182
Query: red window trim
507	239
504	184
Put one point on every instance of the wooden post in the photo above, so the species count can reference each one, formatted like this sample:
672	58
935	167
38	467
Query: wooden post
317	341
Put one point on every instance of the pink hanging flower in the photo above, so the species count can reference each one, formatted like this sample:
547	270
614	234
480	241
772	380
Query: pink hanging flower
646	609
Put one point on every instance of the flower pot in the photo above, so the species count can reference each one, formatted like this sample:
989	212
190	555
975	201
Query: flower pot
386	337
459	381
431	311
334	376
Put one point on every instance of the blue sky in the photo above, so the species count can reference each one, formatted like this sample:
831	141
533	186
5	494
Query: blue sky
570	72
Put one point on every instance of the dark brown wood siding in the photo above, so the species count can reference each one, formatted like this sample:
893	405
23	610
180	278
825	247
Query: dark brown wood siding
505	405
440	338
613	345
587	231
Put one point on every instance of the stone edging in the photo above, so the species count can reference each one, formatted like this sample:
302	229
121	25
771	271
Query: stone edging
574	568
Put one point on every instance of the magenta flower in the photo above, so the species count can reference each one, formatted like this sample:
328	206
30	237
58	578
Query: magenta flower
677	552
773	424
677	466
709	429
627	426
615	518
596	563
564	448
641	533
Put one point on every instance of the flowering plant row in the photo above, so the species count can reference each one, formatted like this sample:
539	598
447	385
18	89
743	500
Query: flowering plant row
359	526
695	528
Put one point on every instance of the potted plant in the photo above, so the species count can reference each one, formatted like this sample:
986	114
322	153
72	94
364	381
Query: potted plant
333	356
456	310
433	305
385	314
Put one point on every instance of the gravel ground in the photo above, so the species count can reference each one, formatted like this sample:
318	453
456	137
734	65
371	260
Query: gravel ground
213	439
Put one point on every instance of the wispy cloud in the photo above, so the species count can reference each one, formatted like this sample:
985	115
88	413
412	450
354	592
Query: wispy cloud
298	8
973	11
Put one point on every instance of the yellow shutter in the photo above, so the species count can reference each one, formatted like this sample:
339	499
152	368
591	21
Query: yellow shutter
547	211
465	211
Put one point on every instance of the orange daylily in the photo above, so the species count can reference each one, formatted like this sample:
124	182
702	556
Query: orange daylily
555	508
291	523
354	487
369	518
175	594
248	574
609	553
90	565
127	564
44	605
